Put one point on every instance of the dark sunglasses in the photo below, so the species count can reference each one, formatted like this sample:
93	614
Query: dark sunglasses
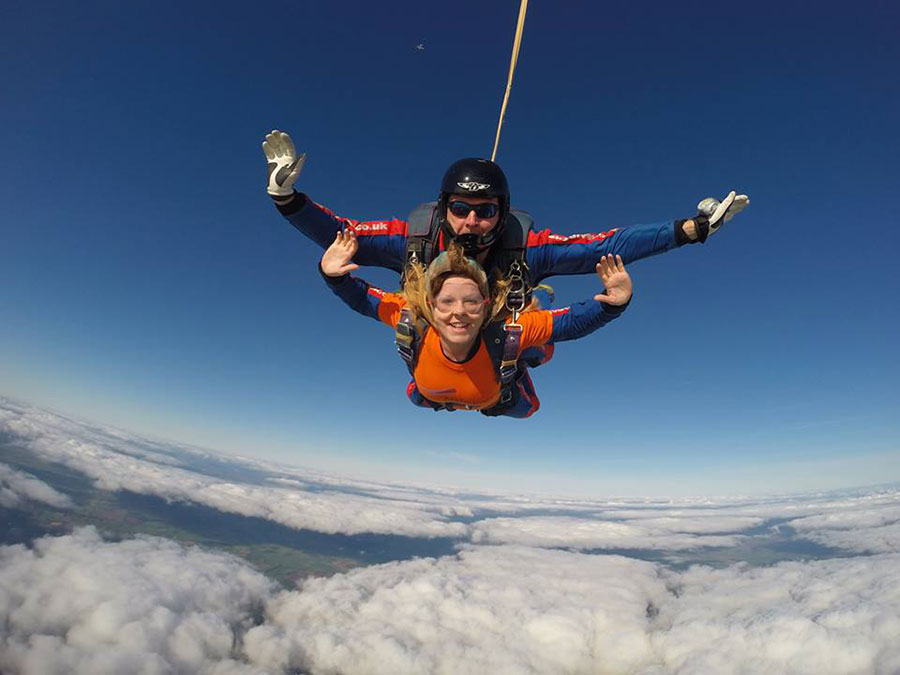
462	209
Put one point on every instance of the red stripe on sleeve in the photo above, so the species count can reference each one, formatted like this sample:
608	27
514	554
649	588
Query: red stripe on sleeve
545	237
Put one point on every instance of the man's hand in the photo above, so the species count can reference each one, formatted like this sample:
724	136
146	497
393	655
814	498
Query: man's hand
615	280
283	163
714	213
337	257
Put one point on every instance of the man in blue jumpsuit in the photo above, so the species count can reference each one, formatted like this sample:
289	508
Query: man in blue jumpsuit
469	189
473	209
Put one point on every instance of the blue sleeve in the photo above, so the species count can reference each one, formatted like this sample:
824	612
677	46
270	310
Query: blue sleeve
355	294
382	243
550	254
583	318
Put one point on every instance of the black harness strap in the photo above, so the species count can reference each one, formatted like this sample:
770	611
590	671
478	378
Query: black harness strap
407	339
502	342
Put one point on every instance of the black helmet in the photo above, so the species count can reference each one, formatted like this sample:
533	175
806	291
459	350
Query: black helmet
474	177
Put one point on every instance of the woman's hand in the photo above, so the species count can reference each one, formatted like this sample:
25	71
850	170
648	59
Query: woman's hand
615	280
337	257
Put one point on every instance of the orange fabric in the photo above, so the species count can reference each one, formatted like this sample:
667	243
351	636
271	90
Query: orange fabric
473	384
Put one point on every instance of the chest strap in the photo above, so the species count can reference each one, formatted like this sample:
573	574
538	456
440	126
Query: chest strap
503	342
509	369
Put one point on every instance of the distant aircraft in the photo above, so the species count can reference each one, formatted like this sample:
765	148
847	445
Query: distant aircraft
420	47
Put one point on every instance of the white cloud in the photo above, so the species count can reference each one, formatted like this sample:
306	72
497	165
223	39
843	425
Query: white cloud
834	616
76	604
873	529
488	610
517	610
588	533
17	487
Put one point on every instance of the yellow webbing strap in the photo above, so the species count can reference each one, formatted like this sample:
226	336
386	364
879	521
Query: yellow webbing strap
512	68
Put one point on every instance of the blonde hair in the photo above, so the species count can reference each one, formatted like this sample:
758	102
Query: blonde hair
421	285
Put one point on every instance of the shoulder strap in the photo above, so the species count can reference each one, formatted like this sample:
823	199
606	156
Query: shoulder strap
422	233
511	259
408	339
515	233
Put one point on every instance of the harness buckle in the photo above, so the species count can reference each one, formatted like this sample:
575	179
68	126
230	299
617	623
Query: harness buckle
405	337
515	298
509	363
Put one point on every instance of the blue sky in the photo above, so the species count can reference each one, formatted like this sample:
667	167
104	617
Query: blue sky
146	281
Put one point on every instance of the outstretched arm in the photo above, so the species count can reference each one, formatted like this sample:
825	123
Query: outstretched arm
550	254
335	267
382	242
583	318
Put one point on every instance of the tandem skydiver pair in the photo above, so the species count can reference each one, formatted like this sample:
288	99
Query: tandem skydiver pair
465	320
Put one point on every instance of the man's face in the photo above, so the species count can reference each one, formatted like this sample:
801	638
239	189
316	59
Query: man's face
471	223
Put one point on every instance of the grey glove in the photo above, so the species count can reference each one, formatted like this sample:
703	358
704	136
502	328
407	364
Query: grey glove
283	163
714	213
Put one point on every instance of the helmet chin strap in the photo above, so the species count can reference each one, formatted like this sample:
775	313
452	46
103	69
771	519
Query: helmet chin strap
474	244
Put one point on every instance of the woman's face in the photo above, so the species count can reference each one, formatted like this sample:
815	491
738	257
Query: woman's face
459	309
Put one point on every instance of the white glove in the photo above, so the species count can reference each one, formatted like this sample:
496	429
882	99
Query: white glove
718	213
283	163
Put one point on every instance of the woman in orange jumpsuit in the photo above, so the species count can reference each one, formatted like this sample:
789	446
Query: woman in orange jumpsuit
453	304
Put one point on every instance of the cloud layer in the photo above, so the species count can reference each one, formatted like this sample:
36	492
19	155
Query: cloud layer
79	604
861	522
529	590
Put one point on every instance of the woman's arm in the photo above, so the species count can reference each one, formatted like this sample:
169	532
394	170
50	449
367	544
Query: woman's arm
360	296
583	318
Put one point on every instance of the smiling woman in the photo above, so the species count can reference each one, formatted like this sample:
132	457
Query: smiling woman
470	360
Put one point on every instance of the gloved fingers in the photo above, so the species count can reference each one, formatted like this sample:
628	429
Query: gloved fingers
280	145
287	144
740	203
722	209
273	144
